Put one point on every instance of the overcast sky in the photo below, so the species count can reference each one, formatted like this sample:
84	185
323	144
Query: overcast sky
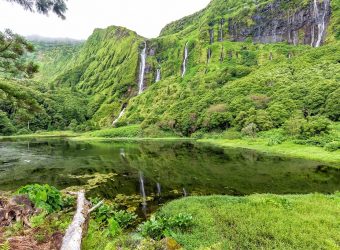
147	17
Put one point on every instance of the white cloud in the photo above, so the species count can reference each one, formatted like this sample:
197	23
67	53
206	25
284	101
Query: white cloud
147	17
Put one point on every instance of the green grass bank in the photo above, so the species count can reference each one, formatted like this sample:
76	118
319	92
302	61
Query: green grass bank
260	222
287	148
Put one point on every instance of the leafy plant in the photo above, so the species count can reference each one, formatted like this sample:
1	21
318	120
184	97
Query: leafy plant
106	212
113	228
152	228
5	246
38	220
161	225
124	218
43	196
103	213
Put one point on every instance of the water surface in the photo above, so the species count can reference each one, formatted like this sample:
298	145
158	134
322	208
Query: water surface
161	170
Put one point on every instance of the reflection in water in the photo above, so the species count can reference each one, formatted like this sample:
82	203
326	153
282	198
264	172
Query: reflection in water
185	194
157	172
142	191
158	189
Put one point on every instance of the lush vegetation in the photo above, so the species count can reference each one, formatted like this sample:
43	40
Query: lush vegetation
277	98
322	147
216	222
27	106
260	221
245	86
12	49
43	196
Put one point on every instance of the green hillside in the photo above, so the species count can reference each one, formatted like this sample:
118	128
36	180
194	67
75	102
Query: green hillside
250	66
53	56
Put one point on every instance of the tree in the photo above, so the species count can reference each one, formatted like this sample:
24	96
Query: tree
12	49
6	127
44	6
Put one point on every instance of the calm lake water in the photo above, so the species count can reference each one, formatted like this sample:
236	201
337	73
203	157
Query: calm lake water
125	171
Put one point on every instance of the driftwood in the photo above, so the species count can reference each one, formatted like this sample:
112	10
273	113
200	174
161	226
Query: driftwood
76	230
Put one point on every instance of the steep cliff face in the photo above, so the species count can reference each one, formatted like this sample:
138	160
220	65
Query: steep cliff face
281	21
206	69
292	21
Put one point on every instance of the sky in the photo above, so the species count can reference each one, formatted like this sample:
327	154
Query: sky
146	17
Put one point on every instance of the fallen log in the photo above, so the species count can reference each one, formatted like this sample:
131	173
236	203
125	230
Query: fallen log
76	230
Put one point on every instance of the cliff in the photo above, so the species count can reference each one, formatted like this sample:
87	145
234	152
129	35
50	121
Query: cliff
231	64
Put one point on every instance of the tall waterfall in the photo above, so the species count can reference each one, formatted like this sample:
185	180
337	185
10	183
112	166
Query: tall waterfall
221	30
158	75
322	23
142	69
211	36
185	61
319	17
119	116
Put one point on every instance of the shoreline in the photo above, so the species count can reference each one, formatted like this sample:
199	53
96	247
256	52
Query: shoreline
287	149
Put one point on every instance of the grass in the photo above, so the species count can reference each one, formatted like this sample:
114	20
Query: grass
287	148
131	132
260	222
121	132
43	134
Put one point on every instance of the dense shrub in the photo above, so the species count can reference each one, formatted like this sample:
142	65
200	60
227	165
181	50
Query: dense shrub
122	132
293	126
23	131
43	196
250	130
316	125
6	126
332	146
107	214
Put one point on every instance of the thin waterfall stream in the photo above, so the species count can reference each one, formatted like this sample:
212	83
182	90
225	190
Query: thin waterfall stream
185	61
119	116
142	70
158	75
320	23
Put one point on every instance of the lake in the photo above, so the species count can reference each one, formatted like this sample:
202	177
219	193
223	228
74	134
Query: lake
143	175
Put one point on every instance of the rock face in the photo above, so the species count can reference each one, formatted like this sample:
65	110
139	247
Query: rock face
275	22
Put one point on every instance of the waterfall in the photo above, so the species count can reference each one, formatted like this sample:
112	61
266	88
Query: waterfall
221	30
322	22
158	75
211	36
142	190
209	55
312	35
142	69
119	116
185	61
295	37
274	31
